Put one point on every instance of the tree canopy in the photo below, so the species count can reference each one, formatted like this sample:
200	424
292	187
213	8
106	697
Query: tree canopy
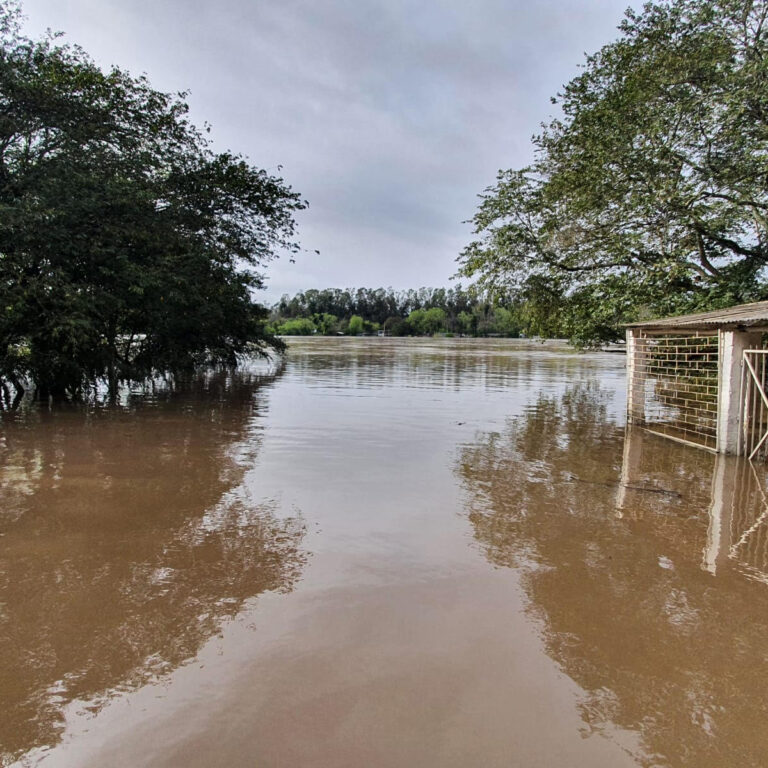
128	247
648	195
331	311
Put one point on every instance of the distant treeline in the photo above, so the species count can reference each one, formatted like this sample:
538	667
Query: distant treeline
335	311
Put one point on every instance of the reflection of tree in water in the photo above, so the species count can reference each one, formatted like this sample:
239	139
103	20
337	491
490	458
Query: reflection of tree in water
659	646
127	540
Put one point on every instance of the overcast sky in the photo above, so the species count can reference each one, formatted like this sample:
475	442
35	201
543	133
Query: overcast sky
389	116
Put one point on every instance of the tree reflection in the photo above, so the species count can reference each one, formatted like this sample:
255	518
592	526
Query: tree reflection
128	538
617	571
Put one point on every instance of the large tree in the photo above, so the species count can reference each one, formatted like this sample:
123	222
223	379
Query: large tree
127	246
649	195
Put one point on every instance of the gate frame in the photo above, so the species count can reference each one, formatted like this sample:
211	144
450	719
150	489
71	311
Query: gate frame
751	383
730	381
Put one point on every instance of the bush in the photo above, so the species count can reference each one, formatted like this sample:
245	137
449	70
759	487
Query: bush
356	325
298	326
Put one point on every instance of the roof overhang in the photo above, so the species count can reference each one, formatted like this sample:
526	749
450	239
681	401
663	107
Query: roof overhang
747	317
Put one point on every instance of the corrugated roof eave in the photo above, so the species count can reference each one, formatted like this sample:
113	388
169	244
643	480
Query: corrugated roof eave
746	315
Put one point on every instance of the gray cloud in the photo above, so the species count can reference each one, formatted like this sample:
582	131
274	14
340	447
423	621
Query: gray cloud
389	116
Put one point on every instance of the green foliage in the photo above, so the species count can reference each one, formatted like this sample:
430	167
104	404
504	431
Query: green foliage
298	326
396	326
413	312
466	323
415	321
356	325
434	320
648	196
326	323
375	305
427	321
127	247
506	322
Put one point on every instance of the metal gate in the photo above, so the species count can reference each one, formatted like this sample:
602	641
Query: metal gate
755	404
676	379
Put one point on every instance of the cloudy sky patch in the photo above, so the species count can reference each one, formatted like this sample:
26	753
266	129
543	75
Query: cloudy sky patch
389	116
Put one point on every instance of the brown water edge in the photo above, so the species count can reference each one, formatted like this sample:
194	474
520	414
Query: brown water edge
496	578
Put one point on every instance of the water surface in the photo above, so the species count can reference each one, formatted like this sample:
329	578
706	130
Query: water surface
388	553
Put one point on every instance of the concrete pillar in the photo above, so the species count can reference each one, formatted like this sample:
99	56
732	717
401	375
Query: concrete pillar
635	380
729	406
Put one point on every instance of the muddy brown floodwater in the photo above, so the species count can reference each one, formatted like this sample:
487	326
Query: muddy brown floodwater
388	553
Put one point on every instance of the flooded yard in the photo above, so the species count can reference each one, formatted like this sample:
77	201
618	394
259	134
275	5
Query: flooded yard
385	553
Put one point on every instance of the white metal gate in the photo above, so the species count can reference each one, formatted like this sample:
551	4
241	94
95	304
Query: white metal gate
755	404
675	378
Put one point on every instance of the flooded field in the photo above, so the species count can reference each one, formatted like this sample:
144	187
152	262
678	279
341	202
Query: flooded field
386	553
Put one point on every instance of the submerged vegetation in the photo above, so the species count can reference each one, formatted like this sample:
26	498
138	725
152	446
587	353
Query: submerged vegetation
648	195
128	248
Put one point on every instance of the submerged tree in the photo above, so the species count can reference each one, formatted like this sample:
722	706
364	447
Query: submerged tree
649	195
127	246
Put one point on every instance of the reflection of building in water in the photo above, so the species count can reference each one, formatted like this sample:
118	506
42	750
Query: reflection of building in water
745	518
738	507
659	648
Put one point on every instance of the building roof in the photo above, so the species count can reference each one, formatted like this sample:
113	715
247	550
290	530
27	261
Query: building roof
744	315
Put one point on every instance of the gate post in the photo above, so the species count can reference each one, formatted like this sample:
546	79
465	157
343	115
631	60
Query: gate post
635	378
729	407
